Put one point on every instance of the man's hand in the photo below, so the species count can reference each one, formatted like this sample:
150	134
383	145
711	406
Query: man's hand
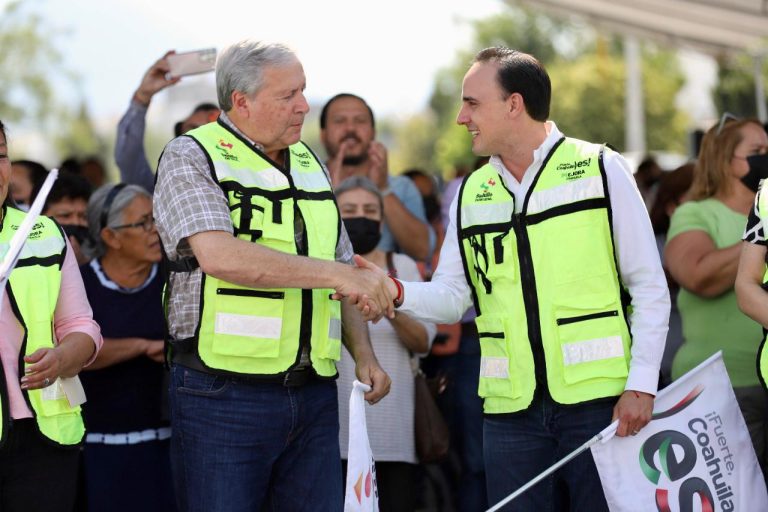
154	80
368	288
155	350
378	172
369	372
633	410
336	164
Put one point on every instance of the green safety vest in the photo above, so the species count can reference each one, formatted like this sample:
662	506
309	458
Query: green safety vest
261	331
33	290
545	283
762	210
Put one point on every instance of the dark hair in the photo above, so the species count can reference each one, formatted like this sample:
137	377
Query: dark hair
2	130
67	185
673	186
202	107
8	199
324	112
521	73
37	172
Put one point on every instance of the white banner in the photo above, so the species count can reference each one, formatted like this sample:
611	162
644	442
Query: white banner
361	494
694	456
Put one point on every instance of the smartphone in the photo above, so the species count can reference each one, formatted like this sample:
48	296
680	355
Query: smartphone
191	63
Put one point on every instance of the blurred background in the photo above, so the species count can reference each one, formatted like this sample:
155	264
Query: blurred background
642	76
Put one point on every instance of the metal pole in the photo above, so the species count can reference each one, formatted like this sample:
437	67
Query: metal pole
552	469
762	113
633	103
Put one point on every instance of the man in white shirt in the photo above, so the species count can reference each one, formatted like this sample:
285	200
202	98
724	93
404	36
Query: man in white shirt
551	242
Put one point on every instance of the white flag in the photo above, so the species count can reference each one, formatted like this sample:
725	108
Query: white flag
361	494
695	455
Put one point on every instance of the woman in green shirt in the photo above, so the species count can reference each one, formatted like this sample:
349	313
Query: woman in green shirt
702	254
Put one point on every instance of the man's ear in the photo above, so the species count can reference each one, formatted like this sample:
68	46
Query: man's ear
515	104
240	104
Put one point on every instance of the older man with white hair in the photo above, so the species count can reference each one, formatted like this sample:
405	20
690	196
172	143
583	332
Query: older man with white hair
256	256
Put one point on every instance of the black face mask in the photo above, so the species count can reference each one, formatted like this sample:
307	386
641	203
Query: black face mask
80	233
363	233
758	170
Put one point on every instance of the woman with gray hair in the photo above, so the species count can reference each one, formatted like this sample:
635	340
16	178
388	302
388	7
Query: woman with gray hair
126	456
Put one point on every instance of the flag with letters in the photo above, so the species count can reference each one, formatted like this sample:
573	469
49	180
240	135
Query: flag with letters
695	455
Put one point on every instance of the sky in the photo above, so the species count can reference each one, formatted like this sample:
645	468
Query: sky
388	52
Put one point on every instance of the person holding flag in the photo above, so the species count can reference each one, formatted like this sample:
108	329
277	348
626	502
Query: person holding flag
551	242
47	335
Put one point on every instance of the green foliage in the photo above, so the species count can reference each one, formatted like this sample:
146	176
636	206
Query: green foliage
735	89
27	59
588	86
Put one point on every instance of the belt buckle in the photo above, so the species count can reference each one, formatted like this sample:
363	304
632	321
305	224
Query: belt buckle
296	378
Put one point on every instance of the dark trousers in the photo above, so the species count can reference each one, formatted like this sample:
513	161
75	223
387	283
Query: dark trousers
519	446
35	474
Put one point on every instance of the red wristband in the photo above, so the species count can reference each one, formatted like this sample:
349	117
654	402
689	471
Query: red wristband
398	301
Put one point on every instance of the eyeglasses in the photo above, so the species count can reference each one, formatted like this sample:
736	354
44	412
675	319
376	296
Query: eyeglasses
725	118
146	224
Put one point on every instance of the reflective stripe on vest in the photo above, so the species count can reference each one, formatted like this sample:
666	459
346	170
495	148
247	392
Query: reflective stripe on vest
259	331
33	291
544	282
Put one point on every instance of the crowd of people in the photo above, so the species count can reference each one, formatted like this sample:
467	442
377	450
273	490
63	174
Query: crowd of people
225	303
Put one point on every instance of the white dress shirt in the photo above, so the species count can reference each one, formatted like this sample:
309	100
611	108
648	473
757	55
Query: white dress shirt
447	296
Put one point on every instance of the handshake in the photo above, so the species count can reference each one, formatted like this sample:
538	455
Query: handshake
369	288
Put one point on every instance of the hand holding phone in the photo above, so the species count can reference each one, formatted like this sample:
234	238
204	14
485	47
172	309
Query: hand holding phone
191	63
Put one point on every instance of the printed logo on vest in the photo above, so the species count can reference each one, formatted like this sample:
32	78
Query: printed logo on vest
224	148
36	232
302	158
486	194
574	170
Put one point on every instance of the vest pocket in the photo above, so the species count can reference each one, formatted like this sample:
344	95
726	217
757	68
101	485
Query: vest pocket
591	342
248	323
326	325
498	375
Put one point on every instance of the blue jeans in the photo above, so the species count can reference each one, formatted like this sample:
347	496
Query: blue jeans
242	446
517	447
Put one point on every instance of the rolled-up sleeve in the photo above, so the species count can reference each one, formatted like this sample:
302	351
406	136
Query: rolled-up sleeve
73	312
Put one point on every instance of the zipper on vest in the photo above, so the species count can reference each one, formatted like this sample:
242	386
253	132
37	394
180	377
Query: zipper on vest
250	293
531	301
582	318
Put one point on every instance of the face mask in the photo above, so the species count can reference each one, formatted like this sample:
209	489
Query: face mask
758	170
80	233
363	233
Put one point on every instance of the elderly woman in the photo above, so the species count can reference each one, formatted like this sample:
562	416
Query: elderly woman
47	335
390	423
127	465
702	255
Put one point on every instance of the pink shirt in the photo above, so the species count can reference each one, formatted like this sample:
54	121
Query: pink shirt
73	314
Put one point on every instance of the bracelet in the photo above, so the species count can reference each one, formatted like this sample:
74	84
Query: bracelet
397	301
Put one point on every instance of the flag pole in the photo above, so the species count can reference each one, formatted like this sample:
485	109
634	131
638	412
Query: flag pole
586	446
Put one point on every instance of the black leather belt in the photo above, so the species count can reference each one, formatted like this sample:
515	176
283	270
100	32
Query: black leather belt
182	355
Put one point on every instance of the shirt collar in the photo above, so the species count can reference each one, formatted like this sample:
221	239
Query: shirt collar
539	154
227	121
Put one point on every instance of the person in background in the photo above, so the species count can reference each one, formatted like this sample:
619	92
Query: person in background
348	132
47	334
647	179
66	204
395	341
130	156
26	176
702	255
127	461
672	192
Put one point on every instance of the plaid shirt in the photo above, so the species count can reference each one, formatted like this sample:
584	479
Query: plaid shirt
188	201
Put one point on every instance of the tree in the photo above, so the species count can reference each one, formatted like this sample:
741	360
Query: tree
27	59
735	89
